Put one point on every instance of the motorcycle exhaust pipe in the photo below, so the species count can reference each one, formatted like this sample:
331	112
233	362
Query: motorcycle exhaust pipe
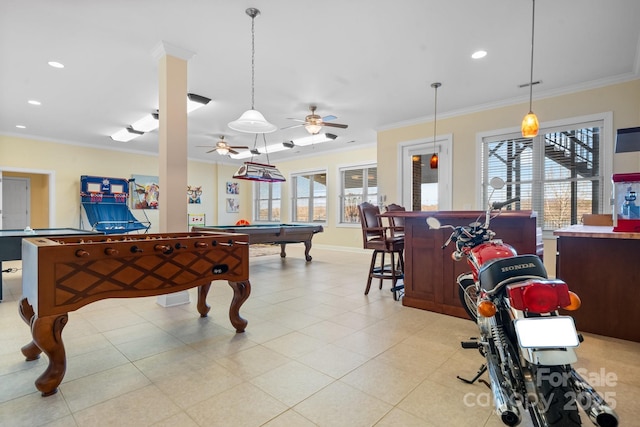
507	411
593	404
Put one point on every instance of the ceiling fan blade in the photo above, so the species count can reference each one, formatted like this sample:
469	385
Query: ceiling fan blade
294	119
293	126
204	146
232	151
335	125
238	147
211	151
329	118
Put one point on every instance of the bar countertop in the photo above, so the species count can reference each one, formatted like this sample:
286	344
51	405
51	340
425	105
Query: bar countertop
594	231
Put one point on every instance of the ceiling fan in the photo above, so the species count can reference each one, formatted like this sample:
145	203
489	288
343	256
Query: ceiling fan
313	123
223	148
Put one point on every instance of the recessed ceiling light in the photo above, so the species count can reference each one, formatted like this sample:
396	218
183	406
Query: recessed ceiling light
56	64
479	54
21	126
34	102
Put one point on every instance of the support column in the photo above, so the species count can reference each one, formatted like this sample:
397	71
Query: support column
172	141
172	147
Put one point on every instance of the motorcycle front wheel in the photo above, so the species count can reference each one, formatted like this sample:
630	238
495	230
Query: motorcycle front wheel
468	294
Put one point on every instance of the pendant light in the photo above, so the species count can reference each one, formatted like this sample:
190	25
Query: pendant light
530	125
434	158
252	121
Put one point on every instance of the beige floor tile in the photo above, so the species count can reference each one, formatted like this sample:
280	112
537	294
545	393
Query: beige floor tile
333	360
181	419
32	409
399	418
253	362
383	381
148	404
327	331
294	345
104	386
243	405
433	402
90	363
340	405
291	383
289	419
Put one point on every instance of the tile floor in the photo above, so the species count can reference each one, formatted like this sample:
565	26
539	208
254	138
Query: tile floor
316	352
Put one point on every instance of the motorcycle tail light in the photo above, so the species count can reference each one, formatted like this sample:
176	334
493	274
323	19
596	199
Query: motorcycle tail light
539	296
575	302
486	308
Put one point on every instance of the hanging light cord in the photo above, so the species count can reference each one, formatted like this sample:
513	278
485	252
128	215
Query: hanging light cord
533	22
253	61
435	116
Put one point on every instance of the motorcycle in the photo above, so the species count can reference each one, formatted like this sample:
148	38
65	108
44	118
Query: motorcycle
527	344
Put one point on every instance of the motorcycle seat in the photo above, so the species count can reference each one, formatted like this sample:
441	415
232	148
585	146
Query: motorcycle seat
500	270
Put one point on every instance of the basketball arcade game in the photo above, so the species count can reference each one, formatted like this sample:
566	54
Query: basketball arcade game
105	204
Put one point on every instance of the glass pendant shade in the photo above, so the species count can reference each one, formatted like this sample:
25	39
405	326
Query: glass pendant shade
313	129
530	125
433	163
252	121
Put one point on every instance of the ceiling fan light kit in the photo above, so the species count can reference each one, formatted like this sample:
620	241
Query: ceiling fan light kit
530	125
252	121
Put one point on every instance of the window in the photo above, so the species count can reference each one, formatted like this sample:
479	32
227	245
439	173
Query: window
267	203
309	197
558	174
357	185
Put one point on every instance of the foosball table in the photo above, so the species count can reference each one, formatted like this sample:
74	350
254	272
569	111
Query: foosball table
62	274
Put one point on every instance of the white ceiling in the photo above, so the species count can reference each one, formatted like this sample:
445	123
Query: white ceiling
370	63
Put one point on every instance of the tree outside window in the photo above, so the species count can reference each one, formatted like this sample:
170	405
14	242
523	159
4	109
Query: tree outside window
357	186
268	201
309	197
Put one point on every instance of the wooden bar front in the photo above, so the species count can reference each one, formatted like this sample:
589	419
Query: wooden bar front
430	273
600	265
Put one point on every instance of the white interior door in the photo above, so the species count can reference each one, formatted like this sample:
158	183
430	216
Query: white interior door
423	188
16	205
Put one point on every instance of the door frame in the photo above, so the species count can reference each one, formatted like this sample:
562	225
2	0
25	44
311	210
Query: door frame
443	144
52	185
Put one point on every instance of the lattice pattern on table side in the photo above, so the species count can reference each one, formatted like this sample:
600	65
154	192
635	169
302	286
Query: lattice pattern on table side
75	281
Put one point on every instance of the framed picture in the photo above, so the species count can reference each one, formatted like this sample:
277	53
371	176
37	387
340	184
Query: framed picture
194	193
146	192
233	205
233	188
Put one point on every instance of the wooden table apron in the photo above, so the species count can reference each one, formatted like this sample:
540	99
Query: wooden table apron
277	234
63	274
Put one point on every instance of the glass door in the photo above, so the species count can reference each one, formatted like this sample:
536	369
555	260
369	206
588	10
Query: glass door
423	188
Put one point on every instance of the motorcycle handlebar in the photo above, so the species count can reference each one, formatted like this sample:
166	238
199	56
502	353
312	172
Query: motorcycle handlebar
500	205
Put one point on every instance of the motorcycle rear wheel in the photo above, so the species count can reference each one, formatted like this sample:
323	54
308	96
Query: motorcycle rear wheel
556	402
468	294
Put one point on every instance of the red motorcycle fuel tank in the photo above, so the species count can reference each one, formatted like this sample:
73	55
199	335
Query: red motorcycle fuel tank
489	251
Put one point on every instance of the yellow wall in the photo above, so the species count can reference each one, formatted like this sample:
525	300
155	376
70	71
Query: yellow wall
69	162
621	99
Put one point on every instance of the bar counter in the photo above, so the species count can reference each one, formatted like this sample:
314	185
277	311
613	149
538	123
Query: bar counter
430	273
602	267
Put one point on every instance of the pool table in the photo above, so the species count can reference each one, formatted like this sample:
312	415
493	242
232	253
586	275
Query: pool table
11	242
271	233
